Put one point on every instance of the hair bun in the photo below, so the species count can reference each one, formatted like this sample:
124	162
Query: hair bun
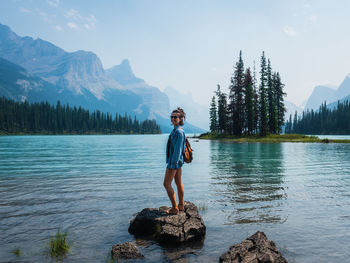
182	112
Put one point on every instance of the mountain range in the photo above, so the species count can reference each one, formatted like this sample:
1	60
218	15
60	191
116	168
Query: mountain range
37	70
329	94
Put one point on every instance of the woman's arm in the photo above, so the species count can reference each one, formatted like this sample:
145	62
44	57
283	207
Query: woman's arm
178	141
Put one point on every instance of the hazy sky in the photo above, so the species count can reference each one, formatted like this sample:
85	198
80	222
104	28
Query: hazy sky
193	45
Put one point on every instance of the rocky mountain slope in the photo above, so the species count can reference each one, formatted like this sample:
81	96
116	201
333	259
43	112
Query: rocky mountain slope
78	78
329	94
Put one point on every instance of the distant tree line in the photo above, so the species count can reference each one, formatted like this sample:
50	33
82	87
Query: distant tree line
323	121
247	109
43	118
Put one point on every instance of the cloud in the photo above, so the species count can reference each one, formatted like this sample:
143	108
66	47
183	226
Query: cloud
289	31
53	3
59	28
87	21
73	25
73	14
25	10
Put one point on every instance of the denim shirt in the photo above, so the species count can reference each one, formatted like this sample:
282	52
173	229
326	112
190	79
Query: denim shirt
175	148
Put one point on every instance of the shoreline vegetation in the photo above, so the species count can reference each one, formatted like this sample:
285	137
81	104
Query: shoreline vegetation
2	133
271	138
22	118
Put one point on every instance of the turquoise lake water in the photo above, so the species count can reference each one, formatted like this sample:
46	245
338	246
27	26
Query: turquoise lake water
90	186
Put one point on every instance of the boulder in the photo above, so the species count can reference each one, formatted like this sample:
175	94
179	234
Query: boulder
125	251
183	227
255	249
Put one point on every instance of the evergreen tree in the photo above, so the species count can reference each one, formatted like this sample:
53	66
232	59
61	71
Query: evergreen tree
279	101
263	118
222	111
213	115
256	103
289	127
249	101
236	97
295	122
272	111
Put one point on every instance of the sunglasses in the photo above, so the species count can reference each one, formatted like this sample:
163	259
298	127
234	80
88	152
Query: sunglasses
174	117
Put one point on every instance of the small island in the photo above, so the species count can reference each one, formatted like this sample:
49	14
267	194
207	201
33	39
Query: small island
254	111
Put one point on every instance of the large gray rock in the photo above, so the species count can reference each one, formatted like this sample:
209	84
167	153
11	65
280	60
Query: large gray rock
255	249
183	227
125	251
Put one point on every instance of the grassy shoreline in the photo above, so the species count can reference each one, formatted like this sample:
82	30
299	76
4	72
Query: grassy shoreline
272	138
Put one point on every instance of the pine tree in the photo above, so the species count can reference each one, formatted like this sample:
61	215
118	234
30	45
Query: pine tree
289	124
279	101
222	111
272	111
213	115
256	103
295	122
249	101
236	97
263	119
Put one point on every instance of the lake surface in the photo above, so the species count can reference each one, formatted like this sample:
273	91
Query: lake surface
90	186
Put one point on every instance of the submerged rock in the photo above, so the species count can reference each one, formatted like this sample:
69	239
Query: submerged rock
183	227
125	251
255	249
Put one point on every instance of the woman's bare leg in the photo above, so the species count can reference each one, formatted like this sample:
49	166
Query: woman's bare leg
168	178
180	188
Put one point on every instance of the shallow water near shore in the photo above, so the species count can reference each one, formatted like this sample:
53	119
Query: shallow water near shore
90	186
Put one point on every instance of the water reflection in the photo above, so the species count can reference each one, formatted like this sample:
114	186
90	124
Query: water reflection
248	181
170	253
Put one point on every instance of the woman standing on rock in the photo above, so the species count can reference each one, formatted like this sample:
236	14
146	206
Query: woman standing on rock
174	159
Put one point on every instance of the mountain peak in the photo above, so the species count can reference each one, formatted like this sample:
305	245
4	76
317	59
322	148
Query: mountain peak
6	32
123	74
125	63
5	28
126	68
320	94
344	88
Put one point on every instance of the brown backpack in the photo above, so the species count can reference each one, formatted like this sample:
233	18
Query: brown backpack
188	155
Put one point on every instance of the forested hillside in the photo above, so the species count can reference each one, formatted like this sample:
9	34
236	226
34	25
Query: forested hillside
323	121
43	118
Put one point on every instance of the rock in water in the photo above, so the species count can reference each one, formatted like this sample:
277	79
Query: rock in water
125	251
255	249
183	227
